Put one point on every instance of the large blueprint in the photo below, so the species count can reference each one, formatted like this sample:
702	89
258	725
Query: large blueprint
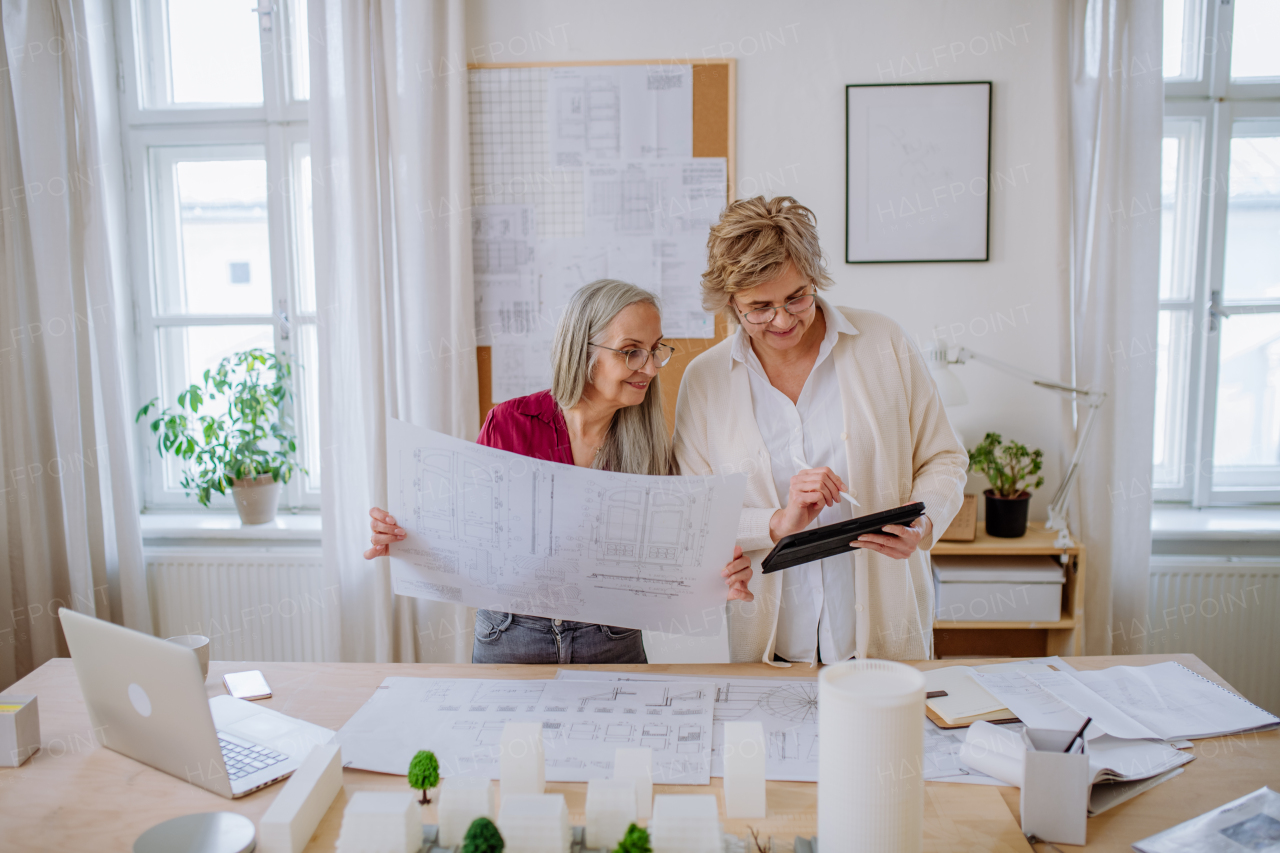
583	724
505	532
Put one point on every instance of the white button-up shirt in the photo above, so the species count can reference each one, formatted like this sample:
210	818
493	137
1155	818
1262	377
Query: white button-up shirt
818	599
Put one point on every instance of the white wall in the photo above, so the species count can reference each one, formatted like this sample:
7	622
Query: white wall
793	63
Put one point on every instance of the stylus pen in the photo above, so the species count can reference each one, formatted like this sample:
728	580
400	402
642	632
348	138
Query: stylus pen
1079	734
845	495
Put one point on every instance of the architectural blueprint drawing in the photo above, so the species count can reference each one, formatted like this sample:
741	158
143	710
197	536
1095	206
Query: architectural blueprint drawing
788	710
612	112
493	529
461	721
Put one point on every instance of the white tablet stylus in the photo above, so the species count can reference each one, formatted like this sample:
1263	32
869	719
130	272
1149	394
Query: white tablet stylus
845	495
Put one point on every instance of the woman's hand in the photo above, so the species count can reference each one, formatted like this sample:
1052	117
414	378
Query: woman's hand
384	533
895	540
811	491
736	574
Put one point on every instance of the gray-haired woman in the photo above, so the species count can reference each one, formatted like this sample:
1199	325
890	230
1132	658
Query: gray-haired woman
604	410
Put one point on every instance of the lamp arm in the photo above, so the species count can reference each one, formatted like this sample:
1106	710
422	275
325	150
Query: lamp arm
964	354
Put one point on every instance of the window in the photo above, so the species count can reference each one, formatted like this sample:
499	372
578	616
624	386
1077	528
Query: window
1217	430
219	173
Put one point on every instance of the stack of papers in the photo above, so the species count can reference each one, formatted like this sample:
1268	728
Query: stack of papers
1249	823
966	701
1121	769
1165	701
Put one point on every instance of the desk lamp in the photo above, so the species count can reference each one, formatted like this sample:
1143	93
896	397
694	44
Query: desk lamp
953	394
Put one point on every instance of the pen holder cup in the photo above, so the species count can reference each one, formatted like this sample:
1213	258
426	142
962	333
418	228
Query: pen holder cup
1055	788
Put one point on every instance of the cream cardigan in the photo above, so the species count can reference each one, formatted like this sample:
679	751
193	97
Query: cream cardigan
901	448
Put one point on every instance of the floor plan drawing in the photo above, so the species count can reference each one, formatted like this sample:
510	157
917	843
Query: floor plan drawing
513	534
583	723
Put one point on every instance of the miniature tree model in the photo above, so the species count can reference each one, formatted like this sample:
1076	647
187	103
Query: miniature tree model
635	841
424	773
482	837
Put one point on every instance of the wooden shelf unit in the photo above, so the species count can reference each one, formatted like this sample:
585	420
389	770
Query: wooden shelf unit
1018	639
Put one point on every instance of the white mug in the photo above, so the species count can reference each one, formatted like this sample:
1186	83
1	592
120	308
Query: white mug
198	644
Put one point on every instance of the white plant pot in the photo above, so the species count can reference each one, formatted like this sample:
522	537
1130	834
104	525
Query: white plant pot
256	499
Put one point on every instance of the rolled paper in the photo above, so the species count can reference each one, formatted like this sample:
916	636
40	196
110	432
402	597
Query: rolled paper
870	787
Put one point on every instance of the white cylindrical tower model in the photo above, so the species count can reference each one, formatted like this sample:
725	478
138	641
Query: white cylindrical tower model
871	735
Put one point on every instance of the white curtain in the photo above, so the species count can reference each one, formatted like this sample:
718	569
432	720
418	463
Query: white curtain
391	172
1116	104
69	532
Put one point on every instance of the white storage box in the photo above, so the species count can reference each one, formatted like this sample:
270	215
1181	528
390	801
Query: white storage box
997	589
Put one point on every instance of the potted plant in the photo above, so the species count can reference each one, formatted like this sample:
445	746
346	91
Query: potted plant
244	440
1010	469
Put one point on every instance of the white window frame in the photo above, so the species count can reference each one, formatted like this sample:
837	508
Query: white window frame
149	130
1204	108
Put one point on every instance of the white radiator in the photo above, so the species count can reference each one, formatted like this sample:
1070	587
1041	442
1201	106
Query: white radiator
1225	610
251	604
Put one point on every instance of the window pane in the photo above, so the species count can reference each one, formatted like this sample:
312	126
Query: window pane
1256	29
307	388
186	352
1174	16
1252	268
1171	398
299	54
214	53
302	227
1248	417
222	262
1168	197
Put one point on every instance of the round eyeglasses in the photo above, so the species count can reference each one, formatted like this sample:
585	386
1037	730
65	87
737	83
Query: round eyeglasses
760	316
637	358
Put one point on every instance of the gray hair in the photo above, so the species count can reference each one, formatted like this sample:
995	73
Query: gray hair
637	442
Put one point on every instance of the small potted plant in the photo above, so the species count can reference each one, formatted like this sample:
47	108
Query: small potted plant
244	440
1010	469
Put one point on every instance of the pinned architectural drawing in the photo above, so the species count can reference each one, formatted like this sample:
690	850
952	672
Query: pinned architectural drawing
508	533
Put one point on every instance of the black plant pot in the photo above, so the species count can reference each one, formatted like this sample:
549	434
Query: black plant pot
1007	517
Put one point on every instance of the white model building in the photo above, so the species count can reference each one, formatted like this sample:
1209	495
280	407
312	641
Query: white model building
744	769
635	764
381	822
611	808
685	823
462	800
535	823
521	765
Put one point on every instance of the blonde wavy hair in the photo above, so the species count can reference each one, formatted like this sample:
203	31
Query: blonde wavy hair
753	242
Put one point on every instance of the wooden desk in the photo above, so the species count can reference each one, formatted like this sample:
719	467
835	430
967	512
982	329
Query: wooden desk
73	795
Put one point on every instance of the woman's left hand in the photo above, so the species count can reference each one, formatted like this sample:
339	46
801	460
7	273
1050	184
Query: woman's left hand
895	540
736	574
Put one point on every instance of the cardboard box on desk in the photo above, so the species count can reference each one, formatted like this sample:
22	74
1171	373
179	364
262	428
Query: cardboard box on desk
19	729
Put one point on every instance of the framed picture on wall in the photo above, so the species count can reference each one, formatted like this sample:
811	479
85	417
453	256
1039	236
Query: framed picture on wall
917	172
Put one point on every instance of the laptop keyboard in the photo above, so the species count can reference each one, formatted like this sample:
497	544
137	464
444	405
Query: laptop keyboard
243	757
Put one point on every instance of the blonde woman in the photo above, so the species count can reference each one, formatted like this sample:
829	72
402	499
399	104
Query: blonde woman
810	400
604	410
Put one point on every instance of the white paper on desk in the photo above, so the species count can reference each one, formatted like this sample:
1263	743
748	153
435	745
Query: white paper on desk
505	532
1032	704
786	708
616	112
1249	823
966	697
461	721
1106	716
1175	702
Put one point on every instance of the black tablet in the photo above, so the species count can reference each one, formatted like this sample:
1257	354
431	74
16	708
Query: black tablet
809	545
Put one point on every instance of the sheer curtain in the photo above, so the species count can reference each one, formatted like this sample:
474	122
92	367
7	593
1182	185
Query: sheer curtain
1117	104
68	507
391	173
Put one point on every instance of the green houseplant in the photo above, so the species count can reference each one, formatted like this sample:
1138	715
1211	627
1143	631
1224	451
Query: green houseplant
1012	469
233	431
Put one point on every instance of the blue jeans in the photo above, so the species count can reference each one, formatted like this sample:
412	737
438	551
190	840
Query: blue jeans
511	638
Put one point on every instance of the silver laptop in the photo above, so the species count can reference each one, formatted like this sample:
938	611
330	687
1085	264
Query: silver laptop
147	700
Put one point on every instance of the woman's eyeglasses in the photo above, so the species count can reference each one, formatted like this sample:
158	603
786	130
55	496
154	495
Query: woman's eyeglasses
637	358
760	316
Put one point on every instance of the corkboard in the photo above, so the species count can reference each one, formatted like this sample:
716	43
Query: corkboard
714	95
